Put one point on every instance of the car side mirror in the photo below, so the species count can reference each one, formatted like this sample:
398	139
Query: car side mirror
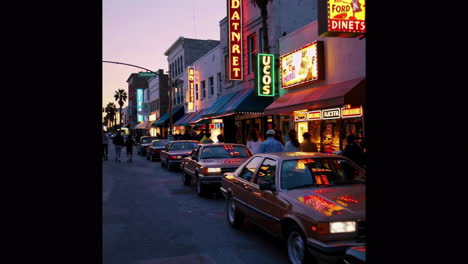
267	185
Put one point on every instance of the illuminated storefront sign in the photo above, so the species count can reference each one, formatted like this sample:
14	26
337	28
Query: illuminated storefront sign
314	115
342	18
140	104
300	116
351	112
266	74
333	113
235	39
302	66
152	117
191	83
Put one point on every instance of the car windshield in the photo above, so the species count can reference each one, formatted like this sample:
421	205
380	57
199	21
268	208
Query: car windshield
159	143
183	146
147	140
224	152
319	172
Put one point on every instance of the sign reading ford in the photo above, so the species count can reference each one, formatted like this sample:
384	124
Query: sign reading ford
341	18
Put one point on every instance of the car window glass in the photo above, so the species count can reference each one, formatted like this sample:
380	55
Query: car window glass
266	171
225	152
249	169
183	146
347	172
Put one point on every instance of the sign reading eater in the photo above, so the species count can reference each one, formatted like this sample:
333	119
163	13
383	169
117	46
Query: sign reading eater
235	39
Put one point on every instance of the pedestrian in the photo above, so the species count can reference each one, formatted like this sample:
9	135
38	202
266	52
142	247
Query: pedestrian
293	144
271	144
220	138
186	135
352	150
279	136
253	140
206	138
307	145
118	143
129	147
105	144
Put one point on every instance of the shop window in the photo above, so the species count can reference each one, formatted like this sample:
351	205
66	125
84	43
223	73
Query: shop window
252	49
203	89
211	83
219	82
196	91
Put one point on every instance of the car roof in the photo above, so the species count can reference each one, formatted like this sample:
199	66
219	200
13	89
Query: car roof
187	140
298	155
222	144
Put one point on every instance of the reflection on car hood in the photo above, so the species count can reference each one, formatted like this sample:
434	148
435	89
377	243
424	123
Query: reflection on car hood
179	152
335	200
234	162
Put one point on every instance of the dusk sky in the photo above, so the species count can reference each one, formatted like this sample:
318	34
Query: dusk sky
139	32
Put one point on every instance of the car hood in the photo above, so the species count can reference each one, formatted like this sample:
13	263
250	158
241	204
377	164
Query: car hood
337	200
222	163
145	144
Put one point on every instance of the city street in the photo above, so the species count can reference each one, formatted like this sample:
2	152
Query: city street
150	217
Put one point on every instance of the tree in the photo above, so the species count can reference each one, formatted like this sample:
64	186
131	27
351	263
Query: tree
111	110
121	97
262	4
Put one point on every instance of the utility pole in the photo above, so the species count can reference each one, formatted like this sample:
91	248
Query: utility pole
170	103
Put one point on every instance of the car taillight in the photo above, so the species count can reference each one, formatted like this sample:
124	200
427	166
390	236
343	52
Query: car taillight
172	157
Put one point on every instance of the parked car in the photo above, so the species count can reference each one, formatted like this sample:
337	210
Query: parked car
175	151
355	255
154	150
144	143
208	162
314	201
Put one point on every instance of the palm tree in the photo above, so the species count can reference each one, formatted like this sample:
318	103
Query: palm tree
111	110
121	97
262	4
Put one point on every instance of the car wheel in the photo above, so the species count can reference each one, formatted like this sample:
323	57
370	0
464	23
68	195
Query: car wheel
162	163
200	188
234	216
147	157
186	179
152	158
296	246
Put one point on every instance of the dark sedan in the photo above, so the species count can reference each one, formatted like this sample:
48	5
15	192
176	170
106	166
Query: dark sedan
175	151
153	152
314	201
144	144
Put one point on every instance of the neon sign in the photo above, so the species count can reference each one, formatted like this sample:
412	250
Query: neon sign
140	104
351	112
191	83
266	74
235	39
342	18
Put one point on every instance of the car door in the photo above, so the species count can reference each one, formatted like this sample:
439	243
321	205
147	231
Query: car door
191	163
269	208
243	185
164	153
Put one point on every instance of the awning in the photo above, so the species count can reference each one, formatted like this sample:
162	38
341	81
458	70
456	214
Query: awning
198	117
244	101
150	123
142	125
213	109
349	92
164	120
183	121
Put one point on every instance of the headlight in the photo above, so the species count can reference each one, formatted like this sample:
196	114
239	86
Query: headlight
214	169
342	227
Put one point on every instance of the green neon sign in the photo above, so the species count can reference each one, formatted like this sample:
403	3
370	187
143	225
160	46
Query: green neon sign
266	74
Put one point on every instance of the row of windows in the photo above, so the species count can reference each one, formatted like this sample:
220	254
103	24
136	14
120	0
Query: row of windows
211	87
177	66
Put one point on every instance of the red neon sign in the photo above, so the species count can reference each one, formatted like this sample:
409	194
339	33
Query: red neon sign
235	39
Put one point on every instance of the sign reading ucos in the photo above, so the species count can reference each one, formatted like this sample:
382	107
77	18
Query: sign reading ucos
235	39
266	74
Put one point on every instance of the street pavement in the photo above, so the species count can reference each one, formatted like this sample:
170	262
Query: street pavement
150	217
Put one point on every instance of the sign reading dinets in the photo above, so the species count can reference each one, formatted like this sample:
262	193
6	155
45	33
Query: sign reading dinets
341	18
266	74
235	39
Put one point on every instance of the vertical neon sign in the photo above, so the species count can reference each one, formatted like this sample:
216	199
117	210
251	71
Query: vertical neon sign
191	83
139	104
266	74
235	39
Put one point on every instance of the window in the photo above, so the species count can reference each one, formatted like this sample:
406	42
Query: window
247	172
219	82
266	172
211	82
196	91
261	46
203	89
226	67
251	42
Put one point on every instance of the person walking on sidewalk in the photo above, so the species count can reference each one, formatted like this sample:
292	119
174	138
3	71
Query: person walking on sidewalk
129	146
118	143
271	144
105	144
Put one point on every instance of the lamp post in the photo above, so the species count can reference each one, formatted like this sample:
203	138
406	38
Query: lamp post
170	103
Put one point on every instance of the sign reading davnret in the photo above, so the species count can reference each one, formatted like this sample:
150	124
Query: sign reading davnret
235	39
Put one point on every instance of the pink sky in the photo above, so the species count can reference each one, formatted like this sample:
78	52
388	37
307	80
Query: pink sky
138	32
